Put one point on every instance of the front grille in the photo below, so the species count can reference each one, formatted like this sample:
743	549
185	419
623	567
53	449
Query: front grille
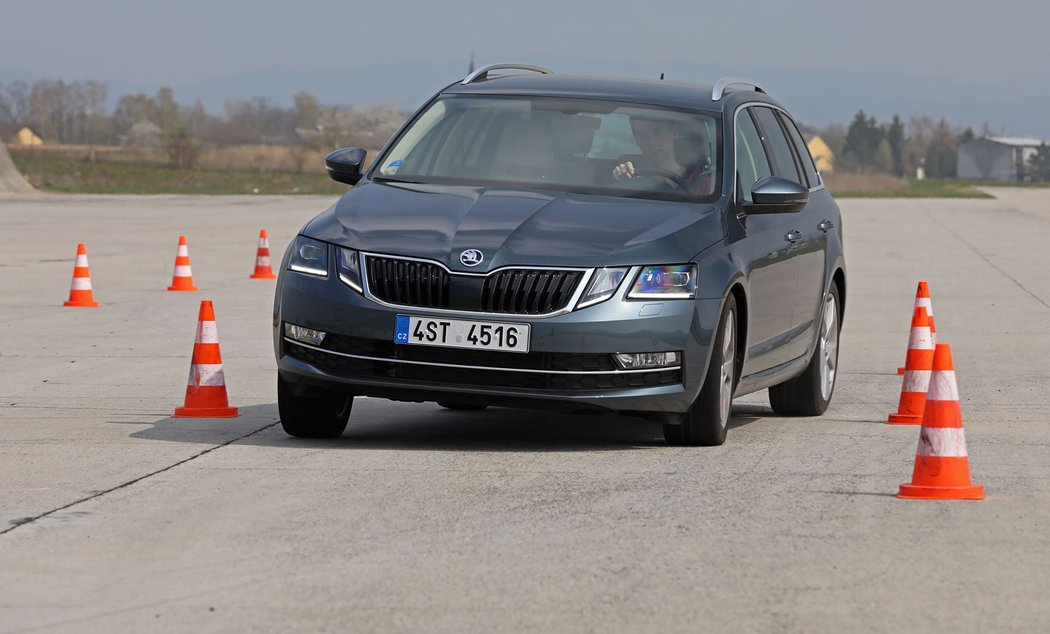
528	292
553	361
408	282
510	291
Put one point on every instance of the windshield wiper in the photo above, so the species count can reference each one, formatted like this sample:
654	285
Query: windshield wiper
391	179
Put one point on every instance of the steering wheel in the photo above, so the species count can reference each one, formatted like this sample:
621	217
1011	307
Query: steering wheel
675	179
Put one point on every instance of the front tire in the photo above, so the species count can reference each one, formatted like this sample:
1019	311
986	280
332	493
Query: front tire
809	394
706	421
312	416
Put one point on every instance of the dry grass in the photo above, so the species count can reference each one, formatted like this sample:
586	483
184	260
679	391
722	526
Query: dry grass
263	159
846	185
260	159
866	183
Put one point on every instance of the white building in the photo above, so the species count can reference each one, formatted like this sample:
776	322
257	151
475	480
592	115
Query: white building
997	158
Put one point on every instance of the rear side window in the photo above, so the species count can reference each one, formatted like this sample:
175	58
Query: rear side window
803	150
783	158
751	162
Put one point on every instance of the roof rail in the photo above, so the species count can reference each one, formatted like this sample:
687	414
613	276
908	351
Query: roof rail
721	85
482	73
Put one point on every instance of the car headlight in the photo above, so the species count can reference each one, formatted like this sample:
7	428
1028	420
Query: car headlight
309	256
603	285
668	281
349	266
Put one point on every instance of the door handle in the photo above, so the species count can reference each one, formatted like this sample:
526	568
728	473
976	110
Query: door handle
793	236
826	225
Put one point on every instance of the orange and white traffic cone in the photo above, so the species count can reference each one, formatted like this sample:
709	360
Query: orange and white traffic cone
922	298
262	259
80	289
916	372
206	388
942	464
182	278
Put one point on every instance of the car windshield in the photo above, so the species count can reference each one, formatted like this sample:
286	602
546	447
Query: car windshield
577	145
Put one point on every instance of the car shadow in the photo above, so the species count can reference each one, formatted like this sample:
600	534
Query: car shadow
428	427
745	414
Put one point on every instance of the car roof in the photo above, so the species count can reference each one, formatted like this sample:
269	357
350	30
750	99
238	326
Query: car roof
658	92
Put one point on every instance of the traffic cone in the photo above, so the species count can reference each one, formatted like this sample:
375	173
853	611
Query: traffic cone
182	278
80	289
942	465
262	259
206	388
916	372
922	298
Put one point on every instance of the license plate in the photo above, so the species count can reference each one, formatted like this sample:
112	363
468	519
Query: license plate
459	333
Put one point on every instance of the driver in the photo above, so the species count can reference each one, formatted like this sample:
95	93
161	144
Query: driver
656	139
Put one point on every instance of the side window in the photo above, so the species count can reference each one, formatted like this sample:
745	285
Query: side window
783	158
803	150
751	162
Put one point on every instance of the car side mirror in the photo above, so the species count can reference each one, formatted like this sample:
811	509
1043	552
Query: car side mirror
344	165
774	195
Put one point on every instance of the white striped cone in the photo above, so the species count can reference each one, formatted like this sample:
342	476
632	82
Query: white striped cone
80	291
916	373
942	463
263	271
182	277
206	386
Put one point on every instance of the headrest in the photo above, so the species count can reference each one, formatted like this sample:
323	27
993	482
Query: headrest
693	148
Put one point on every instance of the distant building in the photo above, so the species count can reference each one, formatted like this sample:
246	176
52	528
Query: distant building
19	135
997	158
823	157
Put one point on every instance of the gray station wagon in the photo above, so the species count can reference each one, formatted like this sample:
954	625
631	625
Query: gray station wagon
538	240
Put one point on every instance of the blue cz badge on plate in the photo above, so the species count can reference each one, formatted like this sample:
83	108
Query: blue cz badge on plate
401	329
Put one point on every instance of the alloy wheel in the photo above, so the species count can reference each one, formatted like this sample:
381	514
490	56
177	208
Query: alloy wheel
829	347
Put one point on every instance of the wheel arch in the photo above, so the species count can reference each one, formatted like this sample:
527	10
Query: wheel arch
839	280
737	292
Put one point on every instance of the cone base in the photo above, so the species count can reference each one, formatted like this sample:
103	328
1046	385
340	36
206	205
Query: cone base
267	275
205	412
183	288
904	419
81	303
917	492
900	371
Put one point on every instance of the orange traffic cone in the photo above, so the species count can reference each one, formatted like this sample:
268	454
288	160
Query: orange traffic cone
942	465
262	259
206	389
182	278
80	289
922	298
916	372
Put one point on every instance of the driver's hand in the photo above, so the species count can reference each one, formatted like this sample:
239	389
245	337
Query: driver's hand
623	170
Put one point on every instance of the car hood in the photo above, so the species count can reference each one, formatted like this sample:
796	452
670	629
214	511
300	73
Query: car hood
515	227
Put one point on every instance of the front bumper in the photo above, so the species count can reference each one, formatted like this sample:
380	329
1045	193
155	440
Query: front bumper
569	366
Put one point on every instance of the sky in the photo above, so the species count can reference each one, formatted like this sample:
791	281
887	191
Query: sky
966	60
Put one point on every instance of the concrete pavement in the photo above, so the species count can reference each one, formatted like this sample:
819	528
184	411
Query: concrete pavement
114	517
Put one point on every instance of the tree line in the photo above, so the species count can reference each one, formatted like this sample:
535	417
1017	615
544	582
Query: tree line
925	144
76	113
892	147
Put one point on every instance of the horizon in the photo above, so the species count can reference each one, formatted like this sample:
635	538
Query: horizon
823	60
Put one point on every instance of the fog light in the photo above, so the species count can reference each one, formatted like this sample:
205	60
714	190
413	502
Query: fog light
640	360
305	335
